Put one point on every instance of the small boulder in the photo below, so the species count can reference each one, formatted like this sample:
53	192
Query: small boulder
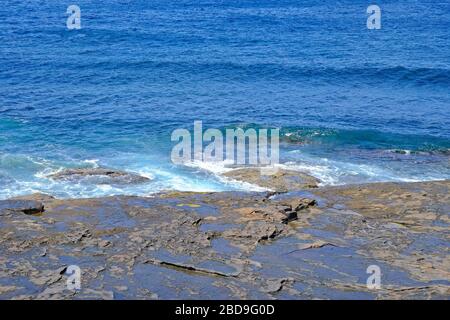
290	211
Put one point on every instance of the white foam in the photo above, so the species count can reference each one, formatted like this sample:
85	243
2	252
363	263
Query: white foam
217	167
243	185
93	162
328	175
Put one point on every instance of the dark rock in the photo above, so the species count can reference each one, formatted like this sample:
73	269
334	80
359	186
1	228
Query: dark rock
290	216
255	230
193	268
301	204
25	206
100	175
275	285
286	212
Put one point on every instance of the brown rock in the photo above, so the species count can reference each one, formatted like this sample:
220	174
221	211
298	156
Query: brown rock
281	181
34	197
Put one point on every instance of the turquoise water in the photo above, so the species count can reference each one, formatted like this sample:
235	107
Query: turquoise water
354	105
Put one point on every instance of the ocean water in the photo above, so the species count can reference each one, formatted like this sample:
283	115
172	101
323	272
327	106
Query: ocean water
353	105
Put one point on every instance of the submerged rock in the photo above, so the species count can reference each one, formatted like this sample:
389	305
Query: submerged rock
280	181
100	175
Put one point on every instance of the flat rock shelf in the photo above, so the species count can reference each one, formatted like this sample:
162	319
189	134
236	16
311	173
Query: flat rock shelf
301	244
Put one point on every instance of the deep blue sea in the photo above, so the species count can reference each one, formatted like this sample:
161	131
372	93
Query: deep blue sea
361	105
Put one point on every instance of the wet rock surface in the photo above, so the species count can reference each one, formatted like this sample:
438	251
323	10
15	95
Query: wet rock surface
232	245
99	175
28	207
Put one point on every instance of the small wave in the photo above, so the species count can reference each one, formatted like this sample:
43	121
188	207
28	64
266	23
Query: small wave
423	151
15	162
418	76
216	167
369	139
93	162
326	174
245	186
